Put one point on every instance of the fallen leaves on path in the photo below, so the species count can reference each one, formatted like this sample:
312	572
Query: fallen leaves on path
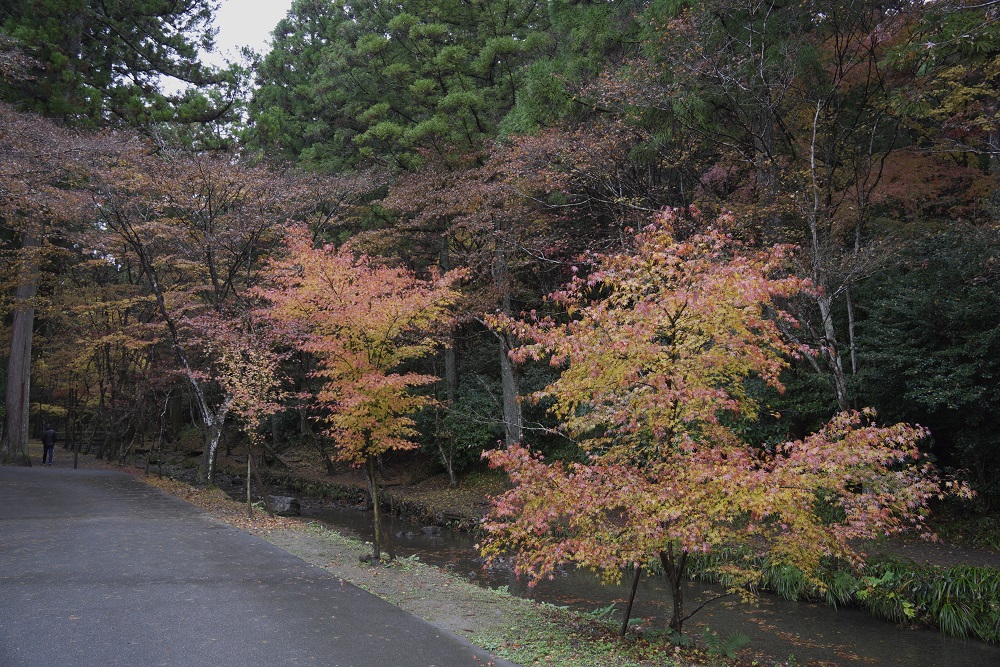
221	506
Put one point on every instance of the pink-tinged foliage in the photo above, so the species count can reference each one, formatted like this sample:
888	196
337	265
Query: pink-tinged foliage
247	365
654	349
362	320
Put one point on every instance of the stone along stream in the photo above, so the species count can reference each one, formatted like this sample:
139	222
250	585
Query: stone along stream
814	634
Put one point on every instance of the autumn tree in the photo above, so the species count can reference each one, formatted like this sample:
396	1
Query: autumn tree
364	322
44	171
93	65
465	216
655	348
100	361
806	108
247	356
196	228
953	65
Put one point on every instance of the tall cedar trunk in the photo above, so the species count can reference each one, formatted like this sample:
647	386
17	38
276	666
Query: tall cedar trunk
14	448
381	540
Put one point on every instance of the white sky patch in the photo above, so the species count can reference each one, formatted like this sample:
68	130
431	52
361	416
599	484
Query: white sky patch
245	23
240	23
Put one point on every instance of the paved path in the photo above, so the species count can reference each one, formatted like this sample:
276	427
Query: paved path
98	569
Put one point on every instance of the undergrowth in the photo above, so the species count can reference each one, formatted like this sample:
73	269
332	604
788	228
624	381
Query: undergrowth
961	601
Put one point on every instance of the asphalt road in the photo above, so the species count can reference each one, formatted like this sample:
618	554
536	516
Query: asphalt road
98	569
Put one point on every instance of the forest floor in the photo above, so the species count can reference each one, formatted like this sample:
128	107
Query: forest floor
522	631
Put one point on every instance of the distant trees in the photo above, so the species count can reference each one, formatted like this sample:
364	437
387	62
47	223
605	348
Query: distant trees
44	175
90	65
526	140
358	82
517	141
197	228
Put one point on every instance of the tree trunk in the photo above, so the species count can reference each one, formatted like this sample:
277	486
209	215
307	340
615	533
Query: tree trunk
251	465
631	599
450	358
213	433
306	430
674	566
275	431
381	540
446	447
512	418
14	447
831	351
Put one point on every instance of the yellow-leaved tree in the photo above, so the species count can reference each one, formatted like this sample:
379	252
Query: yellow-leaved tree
655	348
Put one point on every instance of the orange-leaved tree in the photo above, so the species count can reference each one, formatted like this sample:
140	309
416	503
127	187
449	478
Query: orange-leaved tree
363	321
656	347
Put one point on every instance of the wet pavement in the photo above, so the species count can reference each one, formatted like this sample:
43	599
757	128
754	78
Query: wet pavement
99	569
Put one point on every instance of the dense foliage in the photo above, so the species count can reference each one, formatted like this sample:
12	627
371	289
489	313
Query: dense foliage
100	63
527	145
654	350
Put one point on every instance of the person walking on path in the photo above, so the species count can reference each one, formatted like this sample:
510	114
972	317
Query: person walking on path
48	445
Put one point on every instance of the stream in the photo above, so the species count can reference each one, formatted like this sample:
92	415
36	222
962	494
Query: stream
813	634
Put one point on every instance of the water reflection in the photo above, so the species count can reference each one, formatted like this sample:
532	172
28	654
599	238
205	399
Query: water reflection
814	634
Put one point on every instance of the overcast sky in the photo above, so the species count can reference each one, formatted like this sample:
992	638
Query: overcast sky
246	23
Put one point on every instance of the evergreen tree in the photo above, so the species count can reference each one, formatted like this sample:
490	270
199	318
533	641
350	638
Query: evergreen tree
363	81
102	63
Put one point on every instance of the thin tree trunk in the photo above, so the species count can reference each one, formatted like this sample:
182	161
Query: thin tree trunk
306	430
673	566
260	483
831	351
450	358
381	540
14	446
512	417
446	448
631	599
851	333
275	431
446	445
249	502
